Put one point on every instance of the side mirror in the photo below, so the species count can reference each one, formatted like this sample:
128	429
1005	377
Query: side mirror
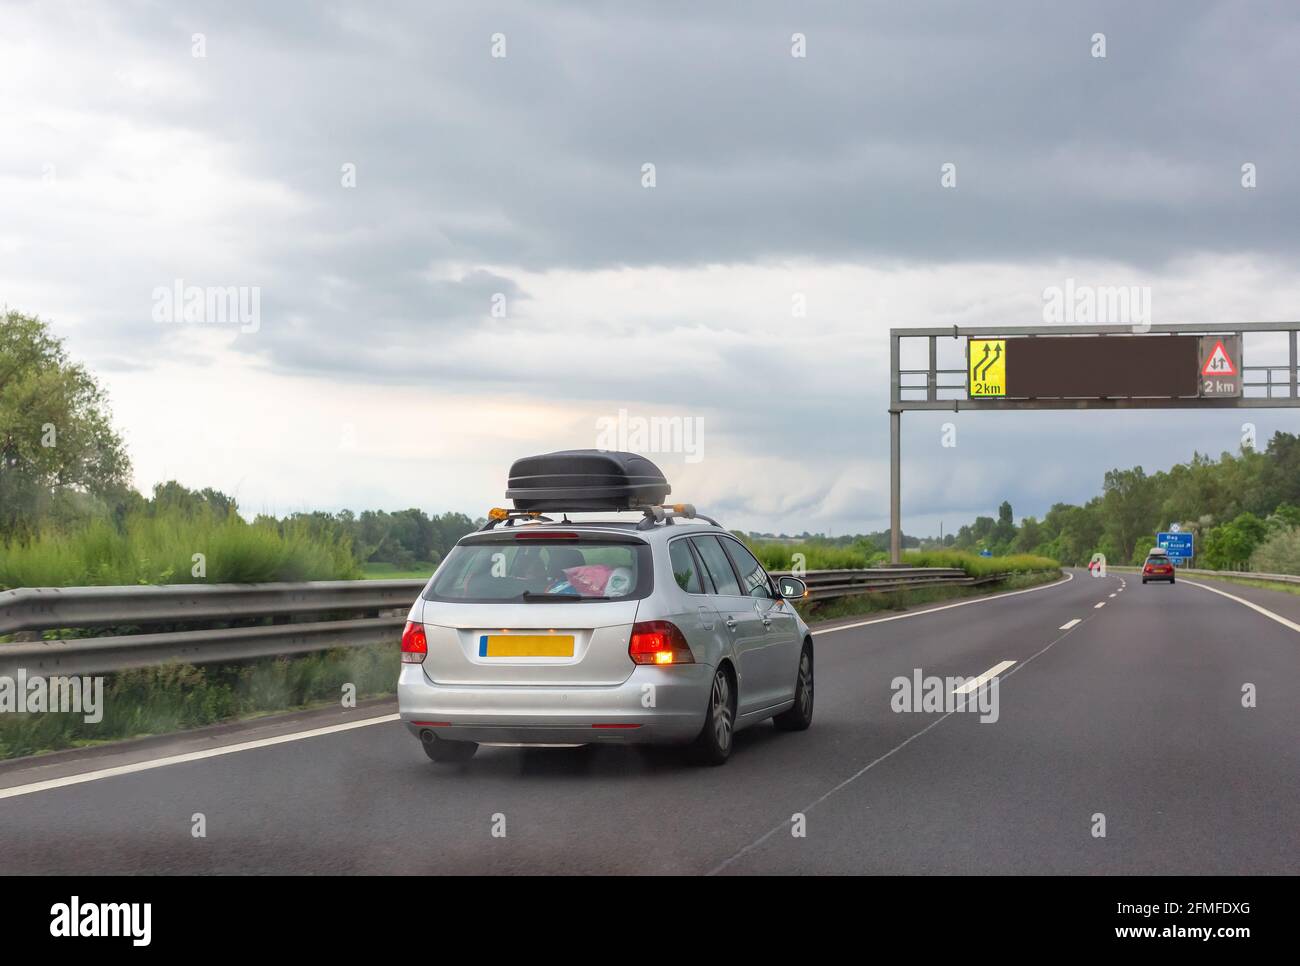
791	588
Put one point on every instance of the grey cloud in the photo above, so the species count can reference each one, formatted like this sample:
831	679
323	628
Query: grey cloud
533	162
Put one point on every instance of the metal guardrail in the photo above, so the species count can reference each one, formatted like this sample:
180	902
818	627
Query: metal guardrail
103	655
829	584
334	605
44	608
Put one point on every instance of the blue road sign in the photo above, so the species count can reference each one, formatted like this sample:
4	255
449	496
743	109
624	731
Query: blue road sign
1177	545
986	552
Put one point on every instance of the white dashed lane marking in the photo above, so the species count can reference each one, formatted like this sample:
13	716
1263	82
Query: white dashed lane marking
984	678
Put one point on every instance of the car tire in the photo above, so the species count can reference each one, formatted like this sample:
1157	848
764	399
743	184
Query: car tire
713	744
448	752
1144	580
799	717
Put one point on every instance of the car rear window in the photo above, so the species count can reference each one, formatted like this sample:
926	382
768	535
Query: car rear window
1157	560
538	570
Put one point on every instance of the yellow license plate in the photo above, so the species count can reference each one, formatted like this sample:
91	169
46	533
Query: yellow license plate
525	645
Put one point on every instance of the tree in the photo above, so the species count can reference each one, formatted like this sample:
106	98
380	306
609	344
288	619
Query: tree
1285	517
1005	531
1129	504
1253	496
172	496
1280	473
1072	534
1230	546
57	446
1028	537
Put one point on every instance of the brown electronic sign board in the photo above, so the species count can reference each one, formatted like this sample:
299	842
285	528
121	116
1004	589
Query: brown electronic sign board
1052	367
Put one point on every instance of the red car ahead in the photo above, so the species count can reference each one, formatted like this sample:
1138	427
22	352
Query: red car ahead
1158	567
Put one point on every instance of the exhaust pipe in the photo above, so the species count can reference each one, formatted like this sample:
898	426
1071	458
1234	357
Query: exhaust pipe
427	736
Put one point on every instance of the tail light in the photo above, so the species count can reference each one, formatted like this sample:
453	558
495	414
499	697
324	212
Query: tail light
414	644
659	642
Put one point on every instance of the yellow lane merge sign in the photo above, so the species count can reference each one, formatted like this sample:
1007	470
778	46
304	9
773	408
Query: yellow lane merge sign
988	367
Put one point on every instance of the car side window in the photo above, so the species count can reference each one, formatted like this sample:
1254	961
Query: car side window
684	567
753	578
717	565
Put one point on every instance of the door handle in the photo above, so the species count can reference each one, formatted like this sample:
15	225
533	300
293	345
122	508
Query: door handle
767	622
731	623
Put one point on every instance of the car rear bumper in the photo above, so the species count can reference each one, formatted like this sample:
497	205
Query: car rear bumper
678	697
1150	577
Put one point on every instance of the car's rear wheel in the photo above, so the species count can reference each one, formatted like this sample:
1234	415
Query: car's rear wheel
799	717
1144	580
713	744
447	752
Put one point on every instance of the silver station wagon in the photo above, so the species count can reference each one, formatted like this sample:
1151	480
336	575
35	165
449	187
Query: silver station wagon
662	629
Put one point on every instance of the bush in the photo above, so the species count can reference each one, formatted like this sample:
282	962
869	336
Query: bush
1279	554
780	556
977	566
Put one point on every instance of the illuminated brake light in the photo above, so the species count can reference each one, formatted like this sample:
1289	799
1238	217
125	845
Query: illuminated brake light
544	535
415	646
659	642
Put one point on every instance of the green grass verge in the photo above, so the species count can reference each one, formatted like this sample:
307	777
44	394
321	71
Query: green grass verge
1244	581
163	700
1248	582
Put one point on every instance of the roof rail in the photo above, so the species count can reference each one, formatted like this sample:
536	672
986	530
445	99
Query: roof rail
508	517
653	516
664	515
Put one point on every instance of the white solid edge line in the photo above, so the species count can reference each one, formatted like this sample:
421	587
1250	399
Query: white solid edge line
1102	604
1246	603
961	603
974	683
1068	624
91	776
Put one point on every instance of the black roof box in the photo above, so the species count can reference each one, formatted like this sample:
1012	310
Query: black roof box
586	479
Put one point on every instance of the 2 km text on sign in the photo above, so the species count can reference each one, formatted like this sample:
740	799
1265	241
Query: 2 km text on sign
1220	370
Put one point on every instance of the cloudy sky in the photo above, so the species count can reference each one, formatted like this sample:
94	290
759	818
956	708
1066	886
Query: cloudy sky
445	212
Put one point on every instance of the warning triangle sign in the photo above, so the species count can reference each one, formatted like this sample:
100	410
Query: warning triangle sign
1219	364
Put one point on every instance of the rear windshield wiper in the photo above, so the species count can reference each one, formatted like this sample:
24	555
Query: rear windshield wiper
532	597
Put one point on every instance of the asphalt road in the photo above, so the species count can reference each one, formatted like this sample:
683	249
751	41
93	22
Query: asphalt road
1135	714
